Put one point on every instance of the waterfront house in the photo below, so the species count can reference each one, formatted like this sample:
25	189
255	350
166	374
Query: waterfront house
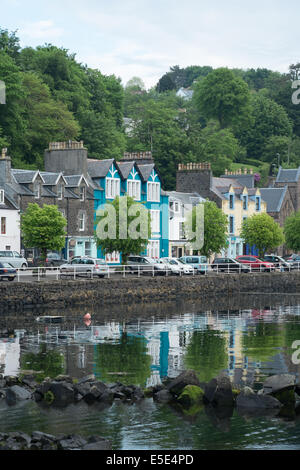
235	199
9	213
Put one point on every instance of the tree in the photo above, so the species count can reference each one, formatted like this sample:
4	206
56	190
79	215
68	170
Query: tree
123	225
262	231
222	96
43	227
292	231
215	227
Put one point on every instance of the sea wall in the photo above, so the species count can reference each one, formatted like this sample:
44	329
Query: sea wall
19	296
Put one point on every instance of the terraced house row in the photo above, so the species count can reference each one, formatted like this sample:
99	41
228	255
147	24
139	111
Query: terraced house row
79	186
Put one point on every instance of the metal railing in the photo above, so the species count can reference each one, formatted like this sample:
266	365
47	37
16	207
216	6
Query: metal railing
122	271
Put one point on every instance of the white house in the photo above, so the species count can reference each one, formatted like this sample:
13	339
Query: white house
9	224
180	204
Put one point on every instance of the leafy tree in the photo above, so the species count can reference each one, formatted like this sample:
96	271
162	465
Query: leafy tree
215	227
262	231
222	96
292	231
43	227
9	43
135	83
114	225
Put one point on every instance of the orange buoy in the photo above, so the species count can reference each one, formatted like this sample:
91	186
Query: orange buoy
87	316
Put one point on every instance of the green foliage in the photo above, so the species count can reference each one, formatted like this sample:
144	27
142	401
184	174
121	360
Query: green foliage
114	225
47	362
43	227
292	231
215	228
222	96
262	231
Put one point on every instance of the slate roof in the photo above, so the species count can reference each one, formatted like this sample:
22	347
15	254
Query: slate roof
185	198
288	176
50	178
99	168
273	197
145	170
24	176
244	180
125	168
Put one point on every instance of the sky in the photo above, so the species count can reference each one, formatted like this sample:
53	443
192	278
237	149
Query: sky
139	38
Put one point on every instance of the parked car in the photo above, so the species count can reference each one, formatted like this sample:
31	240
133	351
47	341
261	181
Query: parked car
52	259
229	265
186	268
290	258
84	266
255	263
13	258
145	265
173	267
278	262
7	271
295	263
198	262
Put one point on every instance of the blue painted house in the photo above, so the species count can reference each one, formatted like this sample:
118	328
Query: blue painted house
136	176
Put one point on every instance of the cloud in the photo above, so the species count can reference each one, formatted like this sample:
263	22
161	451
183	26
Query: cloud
42	30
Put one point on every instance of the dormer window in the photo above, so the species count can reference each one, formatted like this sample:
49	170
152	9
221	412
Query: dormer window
231	201
37	190
60	191
1	196
257	203
82	193
245	202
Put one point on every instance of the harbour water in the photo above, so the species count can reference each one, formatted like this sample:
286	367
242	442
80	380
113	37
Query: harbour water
250	339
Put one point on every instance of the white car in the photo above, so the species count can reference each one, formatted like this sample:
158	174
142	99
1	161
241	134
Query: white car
13	258
186	268
84	266
172	266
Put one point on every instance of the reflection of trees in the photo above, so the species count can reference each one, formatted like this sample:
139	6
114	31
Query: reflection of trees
49	362
127	357
260	342
206	353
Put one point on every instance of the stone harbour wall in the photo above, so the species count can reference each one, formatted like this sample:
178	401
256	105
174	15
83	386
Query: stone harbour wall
19	296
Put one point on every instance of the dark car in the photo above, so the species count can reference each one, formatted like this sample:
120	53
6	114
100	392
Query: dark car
229	265
52	259
278	262
255	263
7	271
145	265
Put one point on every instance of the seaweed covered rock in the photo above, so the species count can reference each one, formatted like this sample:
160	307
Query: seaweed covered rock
187	377
191	395
282	387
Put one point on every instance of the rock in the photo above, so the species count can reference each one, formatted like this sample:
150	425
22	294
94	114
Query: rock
64	378
281	387
72	442
11	380
17	393
2	383
249	399
187	377
87	378
163	396
97	443
42	437
191	395
219	391
82	388
63	392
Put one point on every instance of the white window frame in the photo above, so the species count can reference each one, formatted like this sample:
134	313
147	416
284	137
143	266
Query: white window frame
1	196
134	189
155	221
113	257
82	192
112	188
153	191
60	191
37	190
153	249
81	222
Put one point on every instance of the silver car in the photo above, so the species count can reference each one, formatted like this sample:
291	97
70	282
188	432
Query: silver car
84	266
13	258
173	267
145	265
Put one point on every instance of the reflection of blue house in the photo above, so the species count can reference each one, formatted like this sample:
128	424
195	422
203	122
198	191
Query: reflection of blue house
135	176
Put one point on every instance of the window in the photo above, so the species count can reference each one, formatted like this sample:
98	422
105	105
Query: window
37	190
231	201
113	257
81	221
153	249
245	203
155	221
134	189
153	192
181	231
87	248
1	196
257	203
60	191
112	188
3	225
231	224
82	193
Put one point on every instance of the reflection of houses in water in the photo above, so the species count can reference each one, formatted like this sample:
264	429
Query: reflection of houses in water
10	354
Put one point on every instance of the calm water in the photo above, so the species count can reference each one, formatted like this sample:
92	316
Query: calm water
250	339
